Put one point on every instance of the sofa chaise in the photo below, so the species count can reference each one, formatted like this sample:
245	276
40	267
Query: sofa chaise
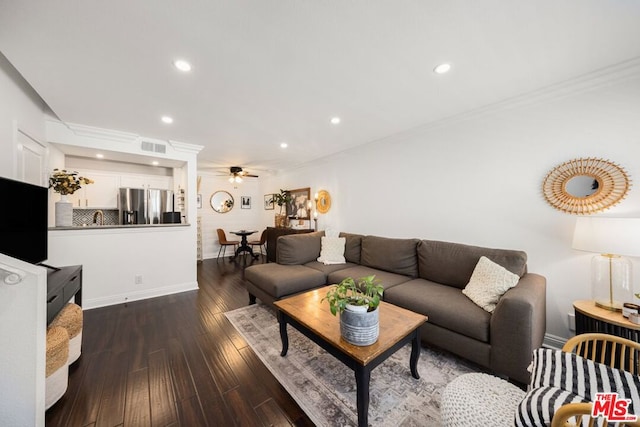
427	277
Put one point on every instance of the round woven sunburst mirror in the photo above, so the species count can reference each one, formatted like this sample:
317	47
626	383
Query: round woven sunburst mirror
585	186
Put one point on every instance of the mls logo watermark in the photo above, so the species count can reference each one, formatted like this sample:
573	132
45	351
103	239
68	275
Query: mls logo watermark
612	408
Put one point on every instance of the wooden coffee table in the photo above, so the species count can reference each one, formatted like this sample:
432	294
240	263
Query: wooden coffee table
312	318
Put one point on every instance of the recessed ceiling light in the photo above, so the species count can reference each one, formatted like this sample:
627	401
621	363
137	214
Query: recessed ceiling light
166	119
283	145
442	68
182	65
100	156
335	120
155	163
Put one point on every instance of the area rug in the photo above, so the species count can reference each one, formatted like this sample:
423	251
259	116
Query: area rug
326	389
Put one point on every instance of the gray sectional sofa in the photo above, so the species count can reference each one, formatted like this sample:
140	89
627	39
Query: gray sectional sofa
427	277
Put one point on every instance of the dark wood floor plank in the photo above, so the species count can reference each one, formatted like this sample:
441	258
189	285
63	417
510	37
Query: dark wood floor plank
219	368
242	411
179	355
180	372
190	412
85	408
271	415
213	406
262	375
137	404
162	397
111	411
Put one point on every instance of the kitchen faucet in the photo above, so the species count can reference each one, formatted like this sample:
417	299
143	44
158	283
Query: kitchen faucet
95	217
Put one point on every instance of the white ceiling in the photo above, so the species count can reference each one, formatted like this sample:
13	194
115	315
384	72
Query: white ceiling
268	71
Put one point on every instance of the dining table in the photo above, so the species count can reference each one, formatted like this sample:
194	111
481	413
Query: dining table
244	244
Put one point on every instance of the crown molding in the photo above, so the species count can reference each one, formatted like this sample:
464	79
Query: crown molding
101	133
185	147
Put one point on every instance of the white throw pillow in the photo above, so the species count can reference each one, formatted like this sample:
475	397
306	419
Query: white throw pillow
332	251
488	283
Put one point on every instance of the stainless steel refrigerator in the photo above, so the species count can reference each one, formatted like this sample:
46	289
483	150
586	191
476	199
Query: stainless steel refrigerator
146	206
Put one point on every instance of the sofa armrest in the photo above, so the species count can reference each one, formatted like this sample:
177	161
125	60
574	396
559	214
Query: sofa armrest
517	326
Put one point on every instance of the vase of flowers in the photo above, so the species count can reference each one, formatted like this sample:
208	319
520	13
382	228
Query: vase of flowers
65	182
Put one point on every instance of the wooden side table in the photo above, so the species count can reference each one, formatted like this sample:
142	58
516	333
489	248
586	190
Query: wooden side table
590	318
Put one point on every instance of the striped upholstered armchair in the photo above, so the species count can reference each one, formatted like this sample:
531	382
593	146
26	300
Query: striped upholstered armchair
565	384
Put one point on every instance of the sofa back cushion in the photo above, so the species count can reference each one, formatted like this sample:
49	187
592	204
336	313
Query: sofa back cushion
352	247
393	255
453	263
297	249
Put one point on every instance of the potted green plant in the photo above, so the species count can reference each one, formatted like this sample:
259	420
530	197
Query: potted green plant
281	199
357	303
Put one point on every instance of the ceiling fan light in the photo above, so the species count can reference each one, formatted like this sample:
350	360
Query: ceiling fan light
238	179
231	180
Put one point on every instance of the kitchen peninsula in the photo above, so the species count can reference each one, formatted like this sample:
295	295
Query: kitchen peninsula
123	263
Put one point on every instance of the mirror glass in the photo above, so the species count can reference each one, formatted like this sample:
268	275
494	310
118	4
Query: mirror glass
582	186
221	201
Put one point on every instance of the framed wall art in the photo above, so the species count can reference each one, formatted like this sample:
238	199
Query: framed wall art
268	202
245	202
298	207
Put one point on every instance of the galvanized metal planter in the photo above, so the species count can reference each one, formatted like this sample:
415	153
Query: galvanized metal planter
359	328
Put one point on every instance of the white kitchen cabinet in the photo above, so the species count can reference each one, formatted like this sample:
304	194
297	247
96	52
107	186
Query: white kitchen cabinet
102	194
146	181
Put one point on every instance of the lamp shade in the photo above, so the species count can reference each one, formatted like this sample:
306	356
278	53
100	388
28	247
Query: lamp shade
617	236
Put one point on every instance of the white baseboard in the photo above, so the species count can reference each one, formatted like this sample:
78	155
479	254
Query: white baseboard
138	295
553	341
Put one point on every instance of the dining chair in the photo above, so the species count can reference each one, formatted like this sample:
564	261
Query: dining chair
262	243
222	240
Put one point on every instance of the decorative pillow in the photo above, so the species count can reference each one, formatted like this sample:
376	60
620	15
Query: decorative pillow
488	283
332	251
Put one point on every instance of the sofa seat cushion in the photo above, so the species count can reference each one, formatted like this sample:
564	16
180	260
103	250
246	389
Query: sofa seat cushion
282	280
446	306
329	268
386	279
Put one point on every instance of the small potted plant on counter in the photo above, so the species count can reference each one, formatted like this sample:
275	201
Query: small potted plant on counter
65	182
357	303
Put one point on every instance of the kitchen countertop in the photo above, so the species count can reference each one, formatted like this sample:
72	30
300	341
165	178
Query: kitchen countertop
104	227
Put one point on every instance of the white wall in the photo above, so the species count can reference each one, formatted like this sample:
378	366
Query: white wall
22	307
477	180
163	257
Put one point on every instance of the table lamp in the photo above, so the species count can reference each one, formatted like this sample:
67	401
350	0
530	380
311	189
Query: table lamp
611	284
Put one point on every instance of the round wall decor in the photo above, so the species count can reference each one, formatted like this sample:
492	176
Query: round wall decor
585	186
323	202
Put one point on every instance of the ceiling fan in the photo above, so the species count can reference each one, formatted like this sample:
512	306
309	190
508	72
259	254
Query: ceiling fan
237	174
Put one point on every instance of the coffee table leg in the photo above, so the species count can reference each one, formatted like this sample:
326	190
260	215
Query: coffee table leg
282	320
415	354
363	375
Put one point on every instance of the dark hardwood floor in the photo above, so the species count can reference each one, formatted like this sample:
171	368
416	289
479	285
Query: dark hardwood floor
174	361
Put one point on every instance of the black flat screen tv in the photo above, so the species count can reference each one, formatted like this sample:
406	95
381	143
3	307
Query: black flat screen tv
24	220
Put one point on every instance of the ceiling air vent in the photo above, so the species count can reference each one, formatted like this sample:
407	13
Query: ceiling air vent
153	147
